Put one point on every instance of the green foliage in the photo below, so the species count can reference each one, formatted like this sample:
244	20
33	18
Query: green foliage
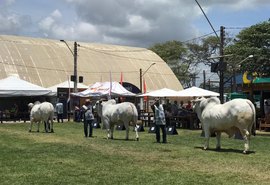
169	51
255	41
67	157
200	52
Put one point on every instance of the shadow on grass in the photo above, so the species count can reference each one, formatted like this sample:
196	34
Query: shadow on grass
43	132
225	150
120	139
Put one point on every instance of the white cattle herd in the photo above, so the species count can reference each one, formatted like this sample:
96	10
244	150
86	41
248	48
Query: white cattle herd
230	117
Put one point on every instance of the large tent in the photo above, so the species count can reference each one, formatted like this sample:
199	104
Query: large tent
165	92
104	89
15	87
48	62
196	92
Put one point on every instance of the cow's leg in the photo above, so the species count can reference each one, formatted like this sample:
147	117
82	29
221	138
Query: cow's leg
111	131
127	130
218	140
30	126
246	137
108	133
207	136
136	131
52	124
46	125
38	126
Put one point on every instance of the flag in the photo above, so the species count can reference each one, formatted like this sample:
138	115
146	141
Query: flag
121	79
68	89
110	92
144	89
121	82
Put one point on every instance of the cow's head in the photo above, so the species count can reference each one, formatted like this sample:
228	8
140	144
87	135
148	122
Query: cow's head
199	104
30	106
98	107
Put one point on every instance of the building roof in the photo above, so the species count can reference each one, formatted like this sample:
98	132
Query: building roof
47	62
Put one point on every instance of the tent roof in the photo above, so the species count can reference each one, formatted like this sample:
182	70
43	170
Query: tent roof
165	92
67	84
14	86
195	92
103	89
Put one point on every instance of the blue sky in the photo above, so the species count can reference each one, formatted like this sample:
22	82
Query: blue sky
139	23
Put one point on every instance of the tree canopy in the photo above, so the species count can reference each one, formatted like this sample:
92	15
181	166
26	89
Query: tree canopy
254	41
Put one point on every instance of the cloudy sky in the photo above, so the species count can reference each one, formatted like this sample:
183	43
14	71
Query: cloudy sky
127	22
140	23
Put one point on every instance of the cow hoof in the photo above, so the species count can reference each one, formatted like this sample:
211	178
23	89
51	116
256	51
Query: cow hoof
218	148
204	148
245	152
52	131
29	131
37	130
137	139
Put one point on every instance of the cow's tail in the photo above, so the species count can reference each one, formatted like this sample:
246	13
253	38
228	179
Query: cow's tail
253	126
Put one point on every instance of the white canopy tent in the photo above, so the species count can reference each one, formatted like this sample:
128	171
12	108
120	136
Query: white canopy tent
165	92
104	89
13	86
67	84
196	92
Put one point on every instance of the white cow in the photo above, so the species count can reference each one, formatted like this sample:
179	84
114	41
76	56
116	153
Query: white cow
114	114
41	112
228	117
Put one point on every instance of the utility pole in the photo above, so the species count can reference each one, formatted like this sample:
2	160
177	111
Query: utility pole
75	67
141	80
222	65
204	77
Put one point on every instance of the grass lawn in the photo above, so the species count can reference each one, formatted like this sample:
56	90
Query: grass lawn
67	157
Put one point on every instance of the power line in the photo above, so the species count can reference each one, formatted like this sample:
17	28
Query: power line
199	37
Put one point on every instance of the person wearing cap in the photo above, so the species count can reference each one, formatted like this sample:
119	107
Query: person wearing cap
88	118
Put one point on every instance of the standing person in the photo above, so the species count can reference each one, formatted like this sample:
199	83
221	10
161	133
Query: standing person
160	121
59	108
88	118
175	108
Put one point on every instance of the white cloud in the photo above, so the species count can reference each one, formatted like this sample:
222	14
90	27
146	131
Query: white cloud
12	22
56	14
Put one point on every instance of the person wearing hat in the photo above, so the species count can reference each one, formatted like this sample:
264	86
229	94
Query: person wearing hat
88	118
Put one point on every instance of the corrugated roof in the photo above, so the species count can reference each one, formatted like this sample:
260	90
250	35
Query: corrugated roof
48	62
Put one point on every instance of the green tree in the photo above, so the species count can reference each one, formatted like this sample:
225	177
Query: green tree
255	41
174	53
